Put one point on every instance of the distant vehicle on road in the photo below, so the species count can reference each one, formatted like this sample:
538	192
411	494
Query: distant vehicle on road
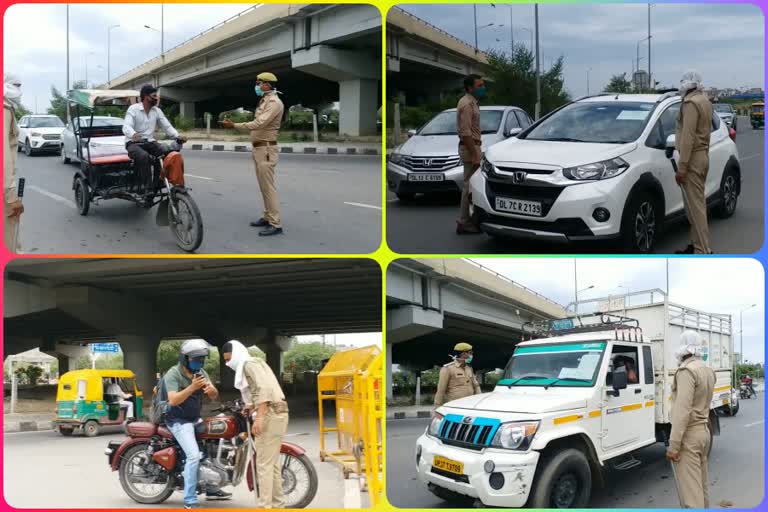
111	125
598	168
727	114
429	160
757	115
40	134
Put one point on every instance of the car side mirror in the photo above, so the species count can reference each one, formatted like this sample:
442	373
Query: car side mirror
670	146
513	132
618	381
411	133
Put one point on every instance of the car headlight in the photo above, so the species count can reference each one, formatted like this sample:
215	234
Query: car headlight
434	425
35	134
395	157
487	167
516	435
597	170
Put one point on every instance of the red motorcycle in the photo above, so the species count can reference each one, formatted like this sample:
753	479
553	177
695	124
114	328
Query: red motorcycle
151	463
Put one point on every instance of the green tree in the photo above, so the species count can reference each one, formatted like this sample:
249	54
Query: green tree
303	357
21	112
619	83
28	374
512	78
83	362
110	362
403	381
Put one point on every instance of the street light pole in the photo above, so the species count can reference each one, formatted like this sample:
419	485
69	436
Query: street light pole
511	33
650	80
109	49
162	29
741	332
588	70
474	11
538	77
66	92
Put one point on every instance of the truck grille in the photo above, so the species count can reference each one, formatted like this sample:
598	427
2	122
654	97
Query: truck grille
468	432
430	163
51	136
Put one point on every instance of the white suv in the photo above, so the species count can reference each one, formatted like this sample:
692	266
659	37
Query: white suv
40	133
598	168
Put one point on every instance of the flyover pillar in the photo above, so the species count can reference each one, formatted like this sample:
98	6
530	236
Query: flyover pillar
64	363
140	356
187	109
388	365
358	106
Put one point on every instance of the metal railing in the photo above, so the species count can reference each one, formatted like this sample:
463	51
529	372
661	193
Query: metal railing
437	29
187	41
513	283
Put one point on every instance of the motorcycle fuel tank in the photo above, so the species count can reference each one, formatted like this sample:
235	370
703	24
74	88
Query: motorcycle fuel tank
218	427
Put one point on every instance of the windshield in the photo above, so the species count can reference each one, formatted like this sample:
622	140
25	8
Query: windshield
609	122
723	107
45	122
444	123
758	108
561	364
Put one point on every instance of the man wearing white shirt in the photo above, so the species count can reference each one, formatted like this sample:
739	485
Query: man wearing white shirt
114	389
141	121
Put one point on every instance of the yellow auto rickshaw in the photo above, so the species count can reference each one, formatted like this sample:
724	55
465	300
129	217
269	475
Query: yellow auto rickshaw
84	402
757	114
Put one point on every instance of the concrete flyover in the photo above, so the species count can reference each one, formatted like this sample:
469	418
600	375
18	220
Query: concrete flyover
320	53
423	62
61	305
435	303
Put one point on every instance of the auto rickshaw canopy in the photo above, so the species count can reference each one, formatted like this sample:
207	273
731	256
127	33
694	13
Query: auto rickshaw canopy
90	98
94	379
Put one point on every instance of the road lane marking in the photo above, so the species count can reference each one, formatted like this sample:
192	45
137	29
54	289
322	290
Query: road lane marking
53	196
361	205
753	424
199	177
750	157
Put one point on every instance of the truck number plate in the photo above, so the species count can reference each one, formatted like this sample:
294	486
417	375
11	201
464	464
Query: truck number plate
448	465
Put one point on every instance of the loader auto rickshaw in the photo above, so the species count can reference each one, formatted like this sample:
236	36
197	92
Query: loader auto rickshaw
757	115
83	402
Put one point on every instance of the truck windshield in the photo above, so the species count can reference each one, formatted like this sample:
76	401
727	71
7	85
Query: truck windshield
561	364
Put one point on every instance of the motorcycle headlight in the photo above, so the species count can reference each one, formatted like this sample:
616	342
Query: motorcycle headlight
35	134
434	425
487	167
597	170
395	157
516	435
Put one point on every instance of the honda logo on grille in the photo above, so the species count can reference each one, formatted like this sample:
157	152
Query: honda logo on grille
427	162
467	419
519	176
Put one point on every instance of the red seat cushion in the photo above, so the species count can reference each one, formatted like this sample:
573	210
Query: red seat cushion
110	159
164	432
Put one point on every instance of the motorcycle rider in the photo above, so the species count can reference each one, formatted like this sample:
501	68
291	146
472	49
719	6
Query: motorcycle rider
259	387
747	381
186	383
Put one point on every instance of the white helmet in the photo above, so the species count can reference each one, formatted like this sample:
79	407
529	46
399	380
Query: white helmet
690	80
193	350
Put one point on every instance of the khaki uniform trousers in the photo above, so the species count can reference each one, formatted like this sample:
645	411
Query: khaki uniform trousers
696	201
265	158
268	469
10	228
692	471
466	159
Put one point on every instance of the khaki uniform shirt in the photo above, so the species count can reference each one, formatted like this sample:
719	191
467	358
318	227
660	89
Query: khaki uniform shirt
262	383
10	152
692	390
468	118
455	382
266	119
693	127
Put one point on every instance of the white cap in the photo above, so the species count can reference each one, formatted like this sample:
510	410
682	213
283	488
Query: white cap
690	80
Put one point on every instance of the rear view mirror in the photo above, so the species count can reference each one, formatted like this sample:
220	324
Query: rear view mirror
618	381
411	133
670	146
513	132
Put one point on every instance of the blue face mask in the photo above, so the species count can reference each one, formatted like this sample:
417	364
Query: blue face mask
480	92
258	90
195	365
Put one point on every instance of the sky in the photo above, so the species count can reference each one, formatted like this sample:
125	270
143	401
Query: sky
35	38
714	285
723	42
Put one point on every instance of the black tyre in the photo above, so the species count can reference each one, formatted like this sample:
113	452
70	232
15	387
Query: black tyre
91	428
28	148
729	194
299	480
733	410
135	465
405	197
640	223
187	224
82	196
66	431
563	480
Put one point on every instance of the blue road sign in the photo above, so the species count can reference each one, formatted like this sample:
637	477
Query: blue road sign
105	348
559	325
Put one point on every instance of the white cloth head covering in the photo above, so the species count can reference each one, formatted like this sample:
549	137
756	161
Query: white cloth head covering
690	344
690	80
240	356
12	91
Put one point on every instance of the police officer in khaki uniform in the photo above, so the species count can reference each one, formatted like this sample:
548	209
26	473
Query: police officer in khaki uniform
694	125
264	129
470	144
689	441
457	380
12	205
261	392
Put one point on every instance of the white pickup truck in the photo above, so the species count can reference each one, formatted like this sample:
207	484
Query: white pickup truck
583	397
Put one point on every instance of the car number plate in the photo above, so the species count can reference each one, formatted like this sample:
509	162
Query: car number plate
532	208
448	465
426	176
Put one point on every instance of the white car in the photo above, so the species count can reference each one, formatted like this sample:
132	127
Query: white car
40	134
429	160
107	137
599	168
727	114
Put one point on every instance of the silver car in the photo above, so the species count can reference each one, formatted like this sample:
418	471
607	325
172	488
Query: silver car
112	135
429	160
726	113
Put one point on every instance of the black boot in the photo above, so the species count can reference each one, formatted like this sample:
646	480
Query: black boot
262	222
271	230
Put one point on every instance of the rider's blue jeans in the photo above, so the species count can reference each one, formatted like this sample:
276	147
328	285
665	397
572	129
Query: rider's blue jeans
185	436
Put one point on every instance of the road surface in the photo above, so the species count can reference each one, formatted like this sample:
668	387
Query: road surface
73	473
330	204
736	468
427	226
